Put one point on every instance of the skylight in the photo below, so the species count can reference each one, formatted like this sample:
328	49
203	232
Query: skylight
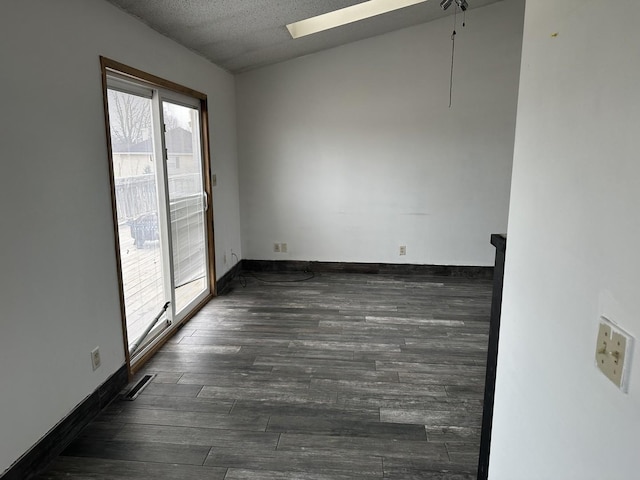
347	15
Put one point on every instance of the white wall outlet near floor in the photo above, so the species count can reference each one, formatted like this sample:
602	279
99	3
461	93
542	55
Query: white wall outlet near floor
614	349
403	249
95	358
283	247
276	247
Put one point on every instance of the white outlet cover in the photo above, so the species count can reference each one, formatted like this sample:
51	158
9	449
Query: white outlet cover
283	247
615	367
95	358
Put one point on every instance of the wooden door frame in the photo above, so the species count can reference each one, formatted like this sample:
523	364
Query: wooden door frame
106	66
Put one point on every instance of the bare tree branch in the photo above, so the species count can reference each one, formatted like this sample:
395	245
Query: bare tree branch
130	118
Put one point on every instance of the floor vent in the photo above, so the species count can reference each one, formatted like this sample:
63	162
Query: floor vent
139	387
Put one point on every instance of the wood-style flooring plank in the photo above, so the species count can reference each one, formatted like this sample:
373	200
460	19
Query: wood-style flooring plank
432	418
154	452
342	427
183	404
316	410
245	474
83	468
310	461
172	390
382	447
173	418
199	436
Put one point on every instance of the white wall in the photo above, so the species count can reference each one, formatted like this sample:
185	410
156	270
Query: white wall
573	247
349	153
58	286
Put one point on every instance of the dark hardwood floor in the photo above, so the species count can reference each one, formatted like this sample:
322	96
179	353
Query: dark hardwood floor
343	376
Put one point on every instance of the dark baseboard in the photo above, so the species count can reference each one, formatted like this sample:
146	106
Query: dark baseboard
371	268
54	442
224	283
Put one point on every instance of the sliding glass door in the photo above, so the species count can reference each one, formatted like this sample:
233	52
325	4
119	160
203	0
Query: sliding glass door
161	207
187	204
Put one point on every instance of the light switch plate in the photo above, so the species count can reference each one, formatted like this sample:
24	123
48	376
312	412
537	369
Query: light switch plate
613	353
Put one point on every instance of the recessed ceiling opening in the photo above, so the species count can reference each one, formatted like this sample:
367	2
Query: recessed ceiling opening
347	15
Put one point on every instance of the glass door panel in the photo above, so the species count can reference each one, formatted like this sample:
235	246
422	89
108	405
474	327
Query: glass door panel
136	194
186	201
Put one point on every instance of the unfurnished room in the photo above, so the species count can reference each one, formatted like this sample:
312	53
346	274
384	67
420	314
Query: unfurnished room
320	240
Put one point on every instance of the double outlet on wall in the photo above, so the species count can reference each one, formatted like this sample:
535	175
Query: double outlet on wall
95	358
280	248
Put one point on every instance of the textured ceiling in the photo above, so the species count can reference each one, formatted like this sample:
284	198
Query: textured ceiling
239	35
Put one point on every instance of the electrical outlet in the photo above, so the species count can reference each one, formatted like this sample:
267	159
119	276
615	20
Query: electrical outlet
403	249
283	247
95	358
613	353
276	247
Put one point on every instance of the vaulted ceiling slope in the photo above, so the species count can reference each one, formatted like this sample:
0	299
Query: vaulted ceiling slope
240	35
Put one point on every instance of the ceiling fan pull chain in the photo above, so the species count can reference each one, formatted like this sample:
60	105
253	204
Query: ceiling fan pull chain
453	52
